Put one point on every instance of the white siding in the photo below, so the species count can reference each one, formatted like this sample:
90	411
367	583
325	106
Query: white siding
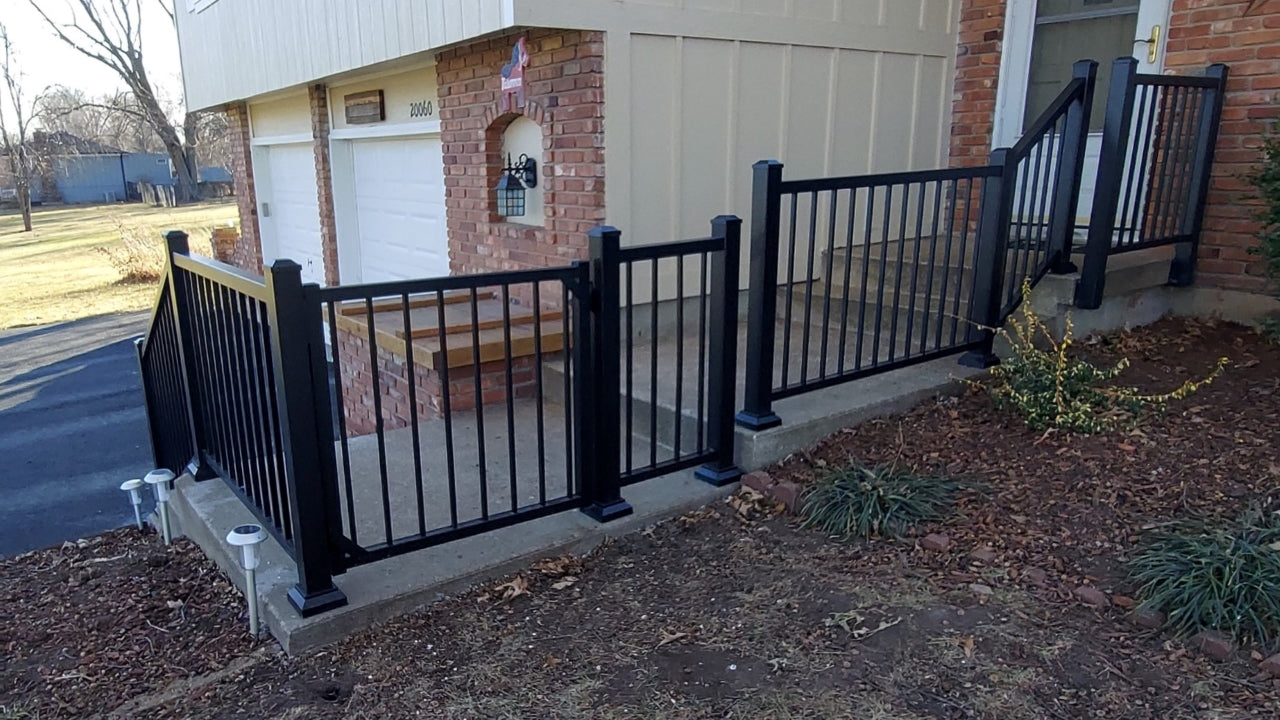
238	49
856	87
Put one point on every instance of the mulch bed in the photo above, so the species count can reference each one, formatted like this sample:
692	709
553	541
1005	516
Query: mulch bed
732	612
86	626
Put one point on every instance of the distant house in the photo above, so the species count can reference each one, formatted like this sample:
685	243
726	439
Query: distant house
76	170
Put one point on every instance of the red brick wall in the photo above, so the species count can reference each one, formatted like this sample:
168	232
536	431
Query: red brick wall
393	386
248	250
565	95
318	94
1244	34
973	106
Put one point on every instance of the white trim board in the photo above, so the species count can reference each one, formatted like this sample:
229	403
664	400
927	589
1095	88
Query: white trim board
296	139
431	127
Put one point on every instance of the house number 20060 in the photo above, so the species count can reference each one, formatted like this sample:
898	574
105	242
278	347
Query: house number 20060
421	109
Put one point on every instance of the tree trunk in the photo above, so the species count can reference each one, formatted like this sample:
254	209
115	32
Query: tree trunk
187	190
24	203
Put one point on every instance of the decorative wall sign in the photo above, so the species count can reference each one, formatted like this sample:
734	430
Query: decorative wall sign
513	77
365	107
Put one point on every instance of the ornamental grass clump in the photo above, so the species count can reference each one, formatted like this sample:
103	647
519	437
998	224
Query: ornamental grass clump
858	501
1214	576
1051	388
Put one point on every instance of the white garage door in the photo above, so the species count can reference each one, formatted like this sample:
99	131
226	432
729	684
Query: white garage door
399	198
292	211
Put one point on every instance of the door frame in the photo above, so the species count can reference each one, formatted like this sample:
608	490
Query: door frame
343	184
1015	62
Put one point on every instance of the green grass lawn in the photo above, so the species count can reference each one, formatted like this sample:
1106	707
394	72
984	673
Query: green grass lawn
56	273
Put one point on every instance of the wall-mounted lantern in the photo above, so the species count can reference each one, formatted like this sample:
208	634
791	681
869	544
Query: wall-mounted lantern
516	178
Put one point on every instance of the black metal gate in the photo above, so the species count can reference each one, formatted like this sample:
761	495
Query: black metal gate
361	422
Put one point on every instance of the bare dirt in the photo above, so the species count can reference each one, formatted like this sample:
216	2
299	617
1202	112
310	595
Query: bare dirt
731	612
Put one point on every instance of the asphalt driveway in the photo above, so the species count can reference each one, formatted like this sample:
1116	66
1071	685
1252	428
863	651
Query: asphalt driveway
72	428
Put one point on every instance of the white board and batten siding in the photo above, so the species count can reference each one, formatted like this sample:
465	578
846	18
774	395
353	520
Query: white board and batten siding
698	90
238	49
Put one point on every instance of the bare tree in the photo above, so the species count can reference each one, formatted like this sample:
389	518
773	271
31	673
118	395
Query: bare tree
116	119
110	32
15	137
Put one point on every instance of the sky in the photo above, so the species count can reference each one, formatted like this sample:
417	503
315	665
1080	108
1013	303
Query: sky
45	60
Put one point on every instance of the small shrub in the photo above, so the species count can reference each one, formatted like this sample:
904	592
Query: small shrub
1266	180
139	255
1214	576
862	502
1050	388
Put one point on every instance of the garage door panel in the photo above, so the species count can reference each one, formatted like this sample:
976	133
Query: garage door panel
294	209
400	209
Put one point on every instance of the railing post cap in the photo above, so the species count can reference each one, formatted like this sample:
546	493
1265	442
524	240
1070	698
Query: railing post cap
603	230
730	218
284	265
1084	68
766	163
175	234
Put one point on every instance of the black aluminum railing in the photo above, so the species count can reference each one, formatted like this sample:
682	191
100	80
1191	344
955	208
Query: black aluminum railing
458	402
668	366
360	422
264	431
1153	176
855	276
164	385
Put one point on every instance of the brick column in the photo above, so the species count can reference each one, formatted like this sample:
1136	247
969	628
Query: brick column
1244	34
565	96
319	97
248	249
973	103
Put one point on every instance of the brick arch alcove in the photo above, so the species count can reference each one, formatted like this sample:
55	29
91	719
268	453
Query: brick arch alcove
565	97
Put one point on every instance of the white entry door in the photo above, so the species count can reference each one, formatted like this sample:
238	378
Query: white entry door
1043	38
289	209
399	208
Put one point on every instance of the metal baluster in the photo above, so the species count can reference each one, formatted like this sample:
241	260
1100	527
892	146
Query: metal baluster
479	403
538	391
915	273
379	426
897	282
964	242
679	404
786	323
653	364
933	261
866	267
702	350
808	288
884	258
1131	207
954	195
412	371
340	409
511	398
572	417
848	275
629	378
826	282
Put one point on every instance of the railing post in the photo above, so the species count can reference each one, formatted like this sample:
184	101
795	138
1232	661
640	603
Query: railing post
995	217
1071	170
1106	193
602	483
1182	271
722	381
762	301
177	243
297	351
